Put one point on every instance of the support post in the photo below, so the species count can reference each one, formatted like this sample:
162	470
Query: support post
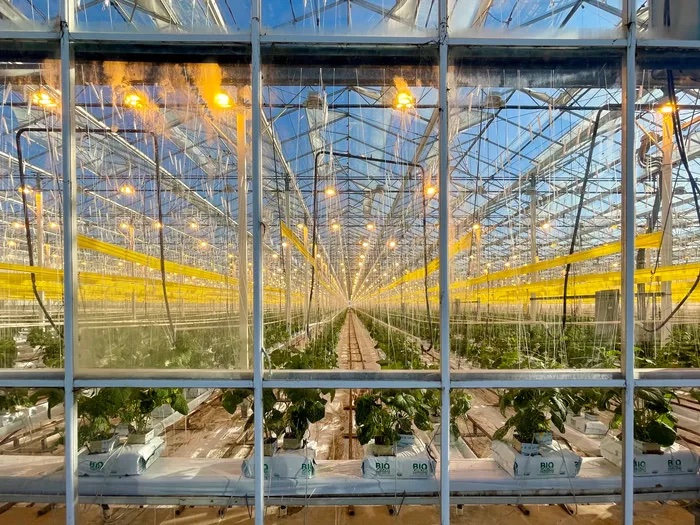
666	222
628	263
479	271
533	242
132	247
444	275
307	276
244	360
256	145
70	260
288	260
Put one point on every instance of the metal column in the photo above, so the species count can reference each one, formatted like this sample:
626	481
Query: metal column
70	260
533	242
132	246
444	236
666	222
628	258
256	145
244	361
288	260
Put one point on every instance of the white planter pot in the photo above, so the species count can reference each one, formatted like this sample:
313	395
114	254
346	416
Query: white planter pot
102	446
270	449
291	443
641	447
552	462
527	449
406	440
543	438
140	438
382	450
675	460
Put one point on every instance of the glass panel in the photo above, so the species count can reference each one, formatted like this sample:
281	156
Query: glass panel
32	227
356	17
350	204
536	18
29	15
565	438
31	451
158	150
667	210
159	16
536	207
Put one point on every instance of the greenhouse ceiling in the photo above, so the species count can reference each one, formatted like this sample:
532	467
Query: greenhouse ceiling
354	148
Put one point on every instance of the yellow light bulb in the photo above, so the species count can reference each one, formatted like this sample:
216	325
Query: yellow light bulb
203	244
335	226
392	244
44	99
404	100
124	226
666	109
330	191
223	100
370	226
53	225
11	244
16	225
126	189
430	191
133	100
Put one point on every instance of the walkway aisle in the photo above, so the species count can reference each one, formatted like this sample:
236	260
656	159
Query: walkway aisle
330	432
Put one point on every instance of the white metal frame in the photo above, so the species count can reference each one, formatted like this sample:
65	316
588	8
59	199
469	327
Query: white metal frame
71	378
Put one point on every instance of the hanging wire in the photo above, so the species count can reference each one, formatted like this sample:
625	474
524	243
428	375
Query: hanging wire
577	222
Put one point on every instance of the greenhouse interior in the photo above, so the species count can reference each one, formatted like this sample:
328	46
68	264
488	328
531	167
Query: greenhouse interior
294	261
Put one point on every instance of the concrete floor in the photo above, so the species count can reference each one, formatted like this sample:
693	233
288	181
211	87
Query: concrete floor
645	514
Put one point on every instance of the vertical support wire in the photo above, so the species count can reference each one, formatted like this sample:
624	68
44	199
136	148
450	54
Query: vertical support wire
256	165
444	231
70	259
628	259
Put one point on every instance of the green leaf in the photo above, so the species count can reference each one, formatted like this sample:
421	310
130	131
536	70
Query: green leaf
179	404
661	433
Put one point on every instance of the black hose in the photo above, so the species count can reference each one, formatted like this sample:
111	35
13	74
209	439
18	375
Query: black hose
27	229
577	222
161	236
